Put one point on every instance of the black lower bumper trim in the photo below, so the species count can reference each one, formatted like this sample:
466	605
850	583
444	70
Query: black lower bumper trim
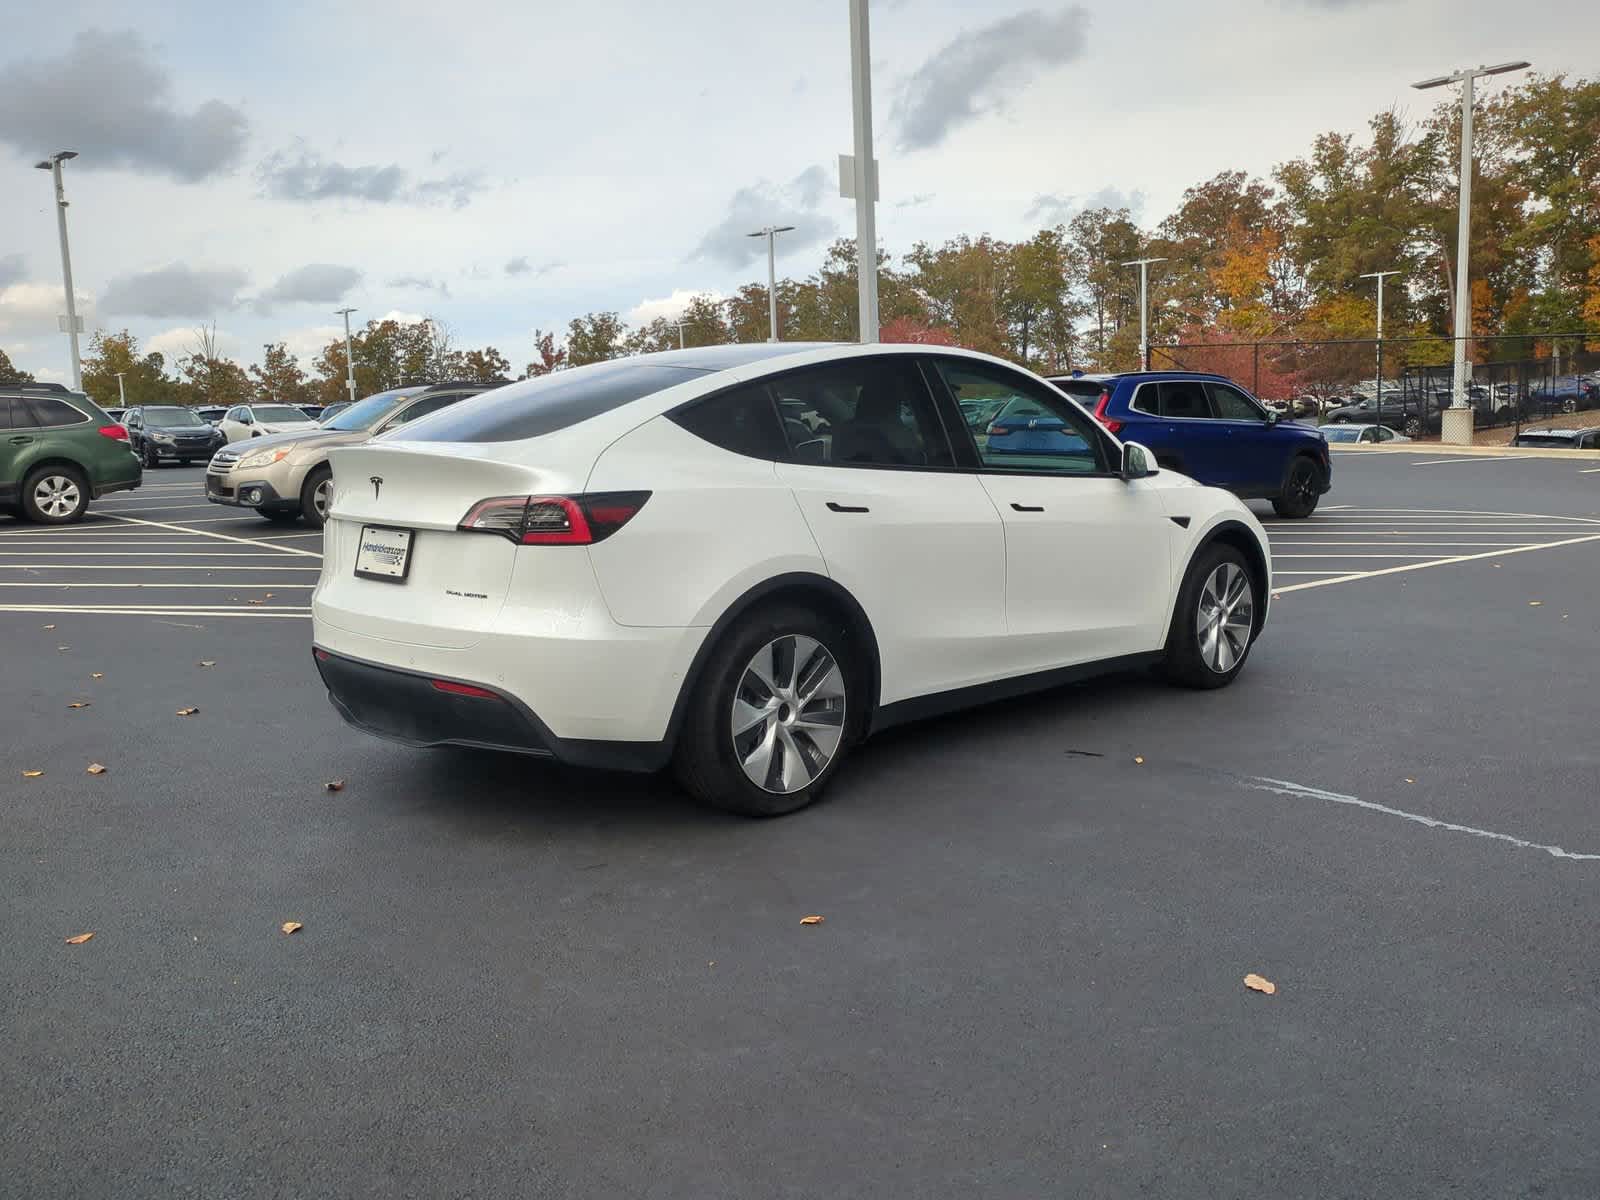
406	707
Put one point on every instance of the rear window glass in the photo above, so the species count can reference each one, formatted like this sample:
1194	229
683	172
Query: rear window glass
743	421
47	412
1081	388
551	402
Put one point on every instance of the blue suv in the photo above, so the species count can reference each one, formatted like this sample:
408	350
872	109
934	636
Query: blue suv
1212	430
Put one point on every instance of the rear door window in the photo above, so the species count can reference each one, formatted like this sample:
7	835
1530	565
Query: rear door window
1184	399
51	413
1147	399
862	412
554	401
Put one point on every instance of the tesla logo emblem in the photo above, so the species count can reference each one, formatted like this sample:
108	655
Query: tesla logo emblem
377	485
1033	423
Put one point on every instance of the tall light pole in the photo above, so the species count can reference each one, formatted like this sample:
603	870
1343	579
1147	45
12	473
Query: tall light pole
865	170
349	354
122	396
1457	429
770	232
1144	307
53	165
1377	382
679	326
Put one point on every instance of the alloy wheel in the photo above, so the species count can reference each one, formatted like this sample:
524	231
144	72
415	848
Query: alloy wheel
788	714
1225	618
321	496
1303	483
57	496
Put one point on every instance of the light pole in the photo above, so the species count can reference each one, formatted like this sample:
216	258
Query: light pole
770	232
53	165
1457	428
866	171
1377	382
1144	307
122	396
679	326
349	354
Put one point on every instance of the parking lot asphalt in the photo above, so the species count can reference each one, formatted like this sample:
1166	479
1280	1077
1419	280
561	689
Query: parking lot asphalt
517	980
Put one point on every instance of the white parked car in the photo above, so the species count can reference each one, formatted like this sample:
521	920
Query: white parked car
257	420
742	560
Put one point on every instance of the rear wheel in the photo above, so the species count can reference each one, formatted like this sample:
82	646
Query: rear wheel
1300	494
1214	625
55	495
316	493
777	707
1413	427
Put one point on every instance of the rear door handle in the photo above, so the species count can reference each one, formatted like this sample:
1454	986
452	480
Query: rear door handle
836	507
20	441
1027	507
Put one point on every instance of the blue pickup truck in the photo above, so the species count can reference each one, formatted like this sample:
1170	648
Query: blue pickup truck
1212	430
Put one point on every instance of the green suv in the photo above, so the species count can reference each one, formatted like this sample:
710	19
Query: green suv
58	451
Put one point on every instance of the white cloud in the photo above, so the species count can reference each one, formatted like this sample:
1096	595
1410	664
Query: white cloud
306	344
173	344
32	308
405	318
670	307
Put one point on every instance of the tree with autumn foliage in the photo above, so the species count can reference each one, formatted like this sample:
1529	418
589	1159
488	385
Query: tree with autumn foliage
9	373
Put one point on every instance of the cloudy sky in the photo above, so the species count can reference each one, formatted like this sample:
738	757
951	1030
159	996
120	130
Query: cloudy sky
507	166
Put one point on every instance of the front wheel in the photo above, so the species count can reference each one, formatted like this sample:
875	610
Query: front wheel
777	707
150	458
1300	494
55	495
1214	625
316	493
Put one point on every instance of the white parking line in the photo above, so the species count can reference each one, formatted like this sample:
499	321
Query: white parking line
1486	458
1276	557
134	567
1590	471
161	554
100	610
221	536
1438	562
1300	791
1276	543
238	587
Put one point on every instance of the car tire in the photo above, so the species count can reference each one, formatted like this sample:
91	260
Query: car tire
316	493
150	459
186	462
1413	427
54	495
1300	494
780	645
1569	404
1210	639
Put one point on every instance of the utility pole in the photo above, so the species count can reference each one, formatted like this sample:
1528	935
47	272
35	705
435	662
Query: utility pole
1377	382
1457	428
53	165
122	396
678	325
865	171
1144	307
349	354
770	232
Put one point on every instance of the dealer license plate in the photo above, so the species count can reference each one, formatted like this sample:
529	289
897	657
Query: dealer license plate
384	553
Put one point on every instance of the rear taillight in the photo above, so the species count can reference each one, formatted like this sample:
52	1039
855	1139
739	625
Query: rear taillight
554	520
453	688
1100	413
115	432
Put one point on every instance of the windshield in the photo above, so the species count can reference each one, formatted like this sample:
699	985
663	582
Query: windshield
169	418
1334	434
369	413
278	412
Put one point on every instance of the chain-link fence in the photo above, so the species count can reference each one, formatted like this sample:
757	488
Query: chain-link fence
1405	383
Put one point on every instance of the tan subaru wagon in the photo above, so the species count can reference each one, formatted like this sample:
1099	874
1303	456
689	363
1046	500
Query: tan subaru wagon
286	475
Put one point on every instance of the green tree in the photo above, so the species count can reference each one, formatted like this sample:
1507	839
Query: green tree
144	377
9	373
206	377
1104	239
484	366
549	358
278	377
595	337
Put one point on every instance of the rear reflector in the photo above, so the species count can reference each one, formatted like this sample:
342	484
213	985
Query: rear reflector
115	432
554	520
463	689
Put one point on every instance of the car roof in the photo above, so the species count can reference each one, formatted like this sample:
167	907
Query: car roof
1560	433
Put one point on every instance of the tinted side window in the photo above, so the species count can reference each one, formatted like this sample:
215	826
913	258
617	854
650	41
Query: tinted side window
1034	430
48	412
868	412
743	421
1147	399
431	405
554	401
1230	404
6	405
1184	399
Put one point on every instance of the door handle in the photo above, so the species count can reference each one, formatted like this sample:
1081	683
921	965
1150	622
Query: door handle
834	507
1027	507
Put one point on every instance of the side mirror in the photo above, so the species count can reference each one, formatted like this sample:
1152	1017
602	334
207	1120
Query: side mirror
1137	461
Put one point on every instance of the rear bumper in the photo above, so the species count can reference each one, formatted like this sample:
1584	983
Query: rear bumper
117	485
408	708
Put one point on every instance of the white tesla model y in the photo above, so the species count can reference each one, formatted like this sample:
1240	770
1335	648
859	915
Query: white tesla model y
742	560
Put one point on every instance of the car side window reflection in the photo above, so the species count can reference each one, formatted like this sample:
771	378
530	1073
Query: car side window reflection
1230	404
1032	429
872	412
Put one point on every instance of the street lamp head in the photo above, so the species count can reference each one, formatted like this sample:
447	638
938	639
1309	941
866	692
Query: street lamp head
58	156
1502	68
784	229
1436	81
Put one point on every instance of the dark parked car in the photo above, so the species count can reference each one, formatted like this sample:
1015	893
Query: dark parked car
162	433
58	451
1212	430
1566	395
1560	439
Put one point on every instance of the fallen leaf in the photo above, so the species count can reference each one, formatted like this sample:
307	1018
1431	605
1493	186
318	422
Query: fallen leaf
291	926
1535	603
334	785
49	626
812	920
187	712
255	601
208	662
80	939
63	647
1411	781
97	674
269	595
1257	984
32	774
79	704
95	769
1139	758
